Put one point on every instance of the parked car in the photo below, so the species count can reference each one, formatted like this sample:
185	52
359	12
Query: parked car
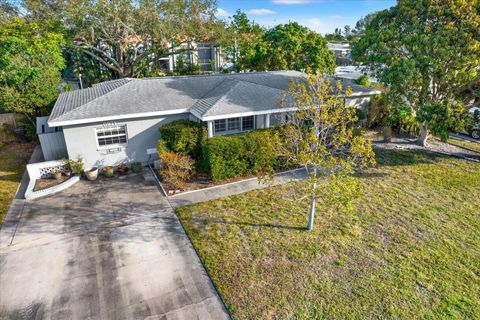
475	131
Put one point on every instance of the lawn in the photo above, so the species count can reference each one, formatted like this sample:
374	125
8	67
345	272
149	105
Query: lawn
409	249
13	157
466	144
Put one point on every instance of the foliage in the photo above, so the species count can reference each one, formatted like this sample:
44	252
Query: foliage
184	136
284	47
327	147
184	67
233	156
13	158
177	168
127	38
363	80
30	64
428	54
390	257
161	146
224	157
77	166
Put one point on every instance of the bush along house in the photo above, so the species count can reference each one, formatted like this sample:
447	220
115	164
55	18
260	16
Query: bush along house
117	121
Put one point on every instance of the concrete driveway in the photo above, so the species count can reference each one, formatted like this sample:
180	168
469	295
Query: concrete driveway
110	249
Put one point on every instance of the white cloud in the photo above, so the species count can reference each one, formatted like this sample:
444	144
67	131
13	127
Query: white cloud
291	1
222	13
313	23
260	12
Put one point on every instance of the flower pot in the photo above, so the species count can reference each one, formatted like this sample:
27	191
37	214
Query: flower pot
57	175
136	167
108	171
91	173
122	169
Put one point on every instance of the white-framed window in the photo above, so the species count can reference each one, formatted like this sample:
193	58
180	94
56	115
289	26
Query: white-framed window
220	125
248	123
111	135
233	124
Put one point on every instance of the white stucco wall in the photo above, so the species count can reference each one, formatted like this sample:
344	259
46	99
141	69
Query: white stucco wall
142	134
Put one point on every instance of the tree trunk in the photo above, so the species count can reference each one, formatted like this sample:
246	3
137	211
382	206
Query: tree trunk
311	215
424	132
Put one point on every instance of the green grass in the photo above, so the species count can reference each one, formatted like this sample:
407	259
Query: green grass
466	144
13	158
409	249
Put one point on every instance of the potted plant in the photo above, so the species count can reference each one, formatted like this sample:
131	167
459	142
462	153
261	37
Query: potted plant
57	174
136	166
91	173
122	168
108	171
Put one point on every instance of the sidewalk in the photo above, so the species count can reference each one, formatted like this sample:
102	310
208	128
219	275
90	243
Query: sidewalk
225	190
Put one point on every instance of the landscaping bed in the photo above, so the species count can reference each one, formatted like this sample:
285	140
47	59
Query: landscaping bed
41	184
13	158
407	249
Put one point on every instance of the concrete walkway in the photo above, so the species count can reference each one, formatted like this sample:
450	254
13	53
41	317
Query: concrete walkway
109	249
225	190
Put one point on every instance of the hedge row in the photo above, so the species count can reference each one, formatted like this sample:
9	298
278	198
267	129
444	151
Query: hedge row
223	157
233	156
184	136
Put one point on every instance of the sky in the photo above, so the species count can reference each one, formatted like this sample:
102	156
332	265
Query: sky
322	16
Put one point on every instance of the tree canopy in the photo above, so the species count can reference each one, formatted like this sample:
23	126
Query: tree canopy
284	47
127	38
428	54
30	65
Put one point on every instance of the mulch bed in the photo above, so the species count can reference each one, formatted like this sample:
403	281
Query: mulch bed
46	183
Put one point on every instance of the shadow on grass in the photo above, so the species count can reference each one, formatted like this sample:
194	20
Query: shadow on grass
258	225
406	157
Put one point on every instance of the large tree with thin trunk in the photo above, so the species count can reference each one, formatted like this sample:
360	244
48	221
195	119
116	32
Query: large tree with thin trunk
320	136
428	53
127	38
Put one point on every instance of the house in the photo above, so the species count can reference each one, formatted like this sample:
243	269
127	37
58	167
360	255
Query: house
206	55
341	53
118	120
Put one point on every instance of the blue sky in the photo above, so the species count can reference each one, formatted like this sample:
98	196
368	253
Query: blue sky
320	15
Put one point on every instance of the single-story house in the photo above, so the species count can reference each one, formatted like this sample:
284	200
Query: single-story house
118	120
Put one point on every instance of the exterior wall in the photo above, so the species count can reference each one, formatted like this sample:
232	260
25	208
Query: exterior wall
53	145
358	102
142	134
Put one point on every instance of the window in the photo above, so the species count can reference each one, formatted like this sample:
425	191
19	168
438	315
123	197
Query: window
220	125
248	123
112	135
234	124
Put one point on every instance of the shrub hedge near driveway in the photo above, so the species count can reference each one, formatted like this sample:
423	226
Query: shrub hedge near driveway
227	157
184	136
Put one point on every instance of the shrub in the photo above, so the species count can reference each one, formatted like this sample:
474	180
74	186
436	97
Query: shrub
224	157
232	156
184	136
363	81
177	168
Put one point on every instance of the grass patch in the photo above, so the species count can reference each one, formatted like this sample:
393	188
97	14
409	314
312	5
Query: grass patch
465	144
409	249
13	158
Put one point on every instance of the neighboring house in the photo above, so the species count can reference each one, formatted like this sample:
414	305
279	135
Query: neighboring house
341	53
118	120
204	54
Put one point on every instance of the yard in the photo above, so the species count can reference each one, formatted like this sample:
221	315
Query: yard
13	157
475	146
409	248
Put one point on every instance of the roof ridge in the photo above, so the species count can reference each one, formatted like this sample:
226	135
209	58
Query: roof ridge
129	80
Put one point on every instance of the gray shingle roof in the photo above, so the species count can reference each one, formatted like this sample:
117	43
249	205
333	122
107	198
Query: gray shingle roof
205	96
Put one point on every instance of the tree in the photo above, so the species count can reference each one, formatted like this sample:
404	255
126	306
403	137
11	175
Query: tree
428	54
7	11
320	136
245	40
30	65
127	37
292	47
